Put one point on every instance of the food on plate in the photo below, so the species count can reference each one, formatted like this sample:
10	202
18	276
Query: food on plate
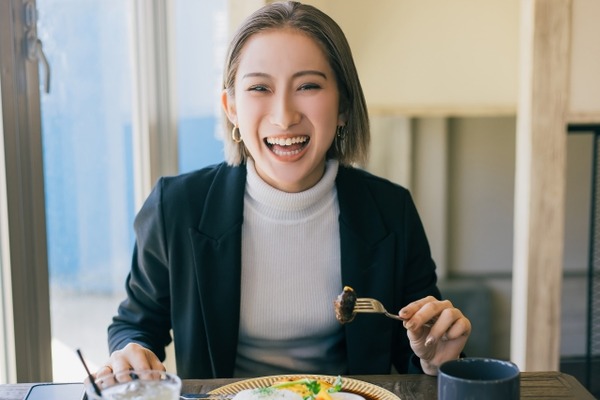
310	389
344	305
267	393
298	389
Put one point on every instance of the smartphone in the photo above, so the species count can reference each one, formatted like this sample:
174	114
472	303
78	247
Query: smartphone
56	391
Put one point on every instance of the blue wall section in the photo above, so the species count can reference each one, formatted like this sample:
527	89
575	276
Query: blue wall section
87	143
198	145
87	136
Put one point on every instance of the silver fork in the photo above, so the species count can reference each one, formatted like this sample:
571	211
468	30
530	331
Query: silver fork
368	305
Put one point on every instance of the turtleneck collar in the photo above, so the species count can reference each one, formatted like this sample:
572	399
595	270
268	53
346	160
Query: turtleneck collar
267	198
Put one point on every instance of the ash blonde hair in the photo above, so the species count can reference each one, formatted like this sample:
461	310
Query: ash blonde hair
354	146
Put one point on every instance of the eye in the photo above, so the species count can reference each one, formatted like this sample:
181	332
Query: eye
309	86
258	88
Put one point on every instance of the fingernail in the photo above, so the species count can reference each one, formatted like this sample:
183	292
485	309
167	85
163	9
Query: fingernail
410	325
430	340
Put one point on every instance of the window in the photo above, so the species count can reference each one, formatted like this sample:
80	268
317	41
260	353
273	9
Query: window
88	172
89	148
199	76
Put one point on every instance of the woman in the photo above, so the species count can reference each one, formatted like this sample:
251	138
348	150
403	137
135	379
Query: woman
243	260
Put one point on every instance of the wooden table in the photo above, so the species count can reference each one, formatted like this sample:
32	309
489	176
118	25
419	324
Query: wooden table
534	385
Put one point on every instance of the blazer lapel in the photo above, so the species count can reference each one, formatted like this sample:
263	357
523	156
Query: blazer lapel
216	247
366	243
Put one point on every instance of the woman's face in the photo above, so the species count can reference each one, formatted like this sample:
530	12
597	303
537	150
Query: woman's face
286	106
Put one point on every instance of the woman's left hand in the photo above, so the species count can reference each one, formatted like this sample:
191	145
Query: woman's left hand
446	337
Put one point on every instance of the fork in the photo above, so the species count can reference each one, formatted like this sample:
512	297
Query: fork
368	305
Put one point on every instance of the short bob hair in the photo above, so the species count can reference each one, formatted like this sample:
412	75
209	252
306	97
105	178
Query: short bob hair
352	145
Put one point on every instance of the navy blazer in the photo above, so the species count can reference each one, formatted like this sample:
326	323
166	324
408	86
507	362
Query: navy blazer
185	273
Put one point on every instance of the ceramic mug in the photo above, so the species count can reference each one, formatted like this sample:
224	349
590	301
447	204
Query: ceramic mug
478	378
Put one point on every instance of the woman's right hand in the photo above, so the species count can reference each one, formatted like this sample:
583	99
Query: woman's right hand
133	356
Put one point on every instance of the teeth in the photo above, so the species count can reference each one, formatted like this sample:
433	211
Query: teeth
287	141
286	153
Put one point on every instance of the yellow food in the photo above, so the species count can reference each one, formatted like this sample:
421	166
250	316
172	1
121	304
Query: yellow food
304	390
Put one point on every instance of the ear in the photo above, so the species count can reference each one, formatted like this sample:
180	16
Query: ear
228	104
342	119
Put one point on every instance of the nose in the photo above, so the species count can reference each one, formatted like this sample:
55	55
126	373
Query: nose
284	113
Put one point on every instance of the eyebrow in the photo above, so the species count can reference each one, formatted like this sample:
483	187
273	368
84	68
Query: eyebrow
296	75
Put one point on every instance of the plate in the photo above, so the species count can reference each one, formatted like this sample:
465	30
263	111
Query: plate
365	389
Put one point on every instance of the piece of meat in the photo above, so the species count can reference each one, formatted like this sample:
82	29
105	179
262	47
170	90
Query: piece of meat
344	305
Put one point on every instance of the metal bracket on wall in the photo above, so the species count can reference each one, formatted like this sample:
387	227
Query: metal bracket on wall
34	47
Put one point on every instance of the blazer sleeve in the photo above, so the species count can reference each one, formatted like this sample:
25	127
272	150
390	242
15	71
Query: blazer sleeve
418	276
144	316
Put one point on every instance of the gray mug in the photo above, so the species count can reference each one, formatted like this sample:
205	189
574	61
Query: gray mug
478	378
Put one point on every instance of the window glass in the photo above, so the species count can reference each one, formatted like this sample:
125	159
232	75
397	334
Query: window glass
200	51
87	151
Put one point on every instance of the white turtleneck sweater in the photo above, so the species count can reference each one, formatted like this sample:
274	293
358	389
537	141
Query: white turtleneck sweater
291	275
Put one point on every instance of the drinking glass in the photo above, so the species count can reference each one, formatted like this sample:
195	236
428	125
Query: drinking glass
135	385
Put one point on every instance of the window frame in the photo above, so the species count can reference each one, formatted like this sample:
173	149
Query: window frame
26	327
154	105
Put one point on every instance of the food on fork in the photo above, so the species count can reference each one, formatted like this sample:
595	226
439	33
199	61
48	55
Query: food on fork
344	305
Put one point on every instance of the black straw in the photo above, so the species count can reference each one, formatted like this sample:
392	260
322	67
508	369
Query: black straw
90	377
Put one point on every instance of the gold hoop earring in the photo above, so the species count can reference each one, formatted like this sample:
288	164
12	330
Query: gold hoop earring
233	137
340	135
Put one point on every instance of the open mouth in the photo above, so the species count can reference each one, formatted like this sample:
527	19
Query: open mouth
287	146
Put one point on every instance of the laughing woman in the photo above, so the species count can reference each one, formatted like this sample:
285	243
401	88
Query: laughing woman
242	261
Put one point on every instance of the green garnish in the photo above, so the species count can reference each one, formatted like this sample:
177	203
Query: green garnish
337	385
314	387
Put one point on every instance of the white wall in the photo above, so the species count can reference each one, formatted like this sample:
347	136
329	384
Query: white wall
481	176
411	54
482	169
585	58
